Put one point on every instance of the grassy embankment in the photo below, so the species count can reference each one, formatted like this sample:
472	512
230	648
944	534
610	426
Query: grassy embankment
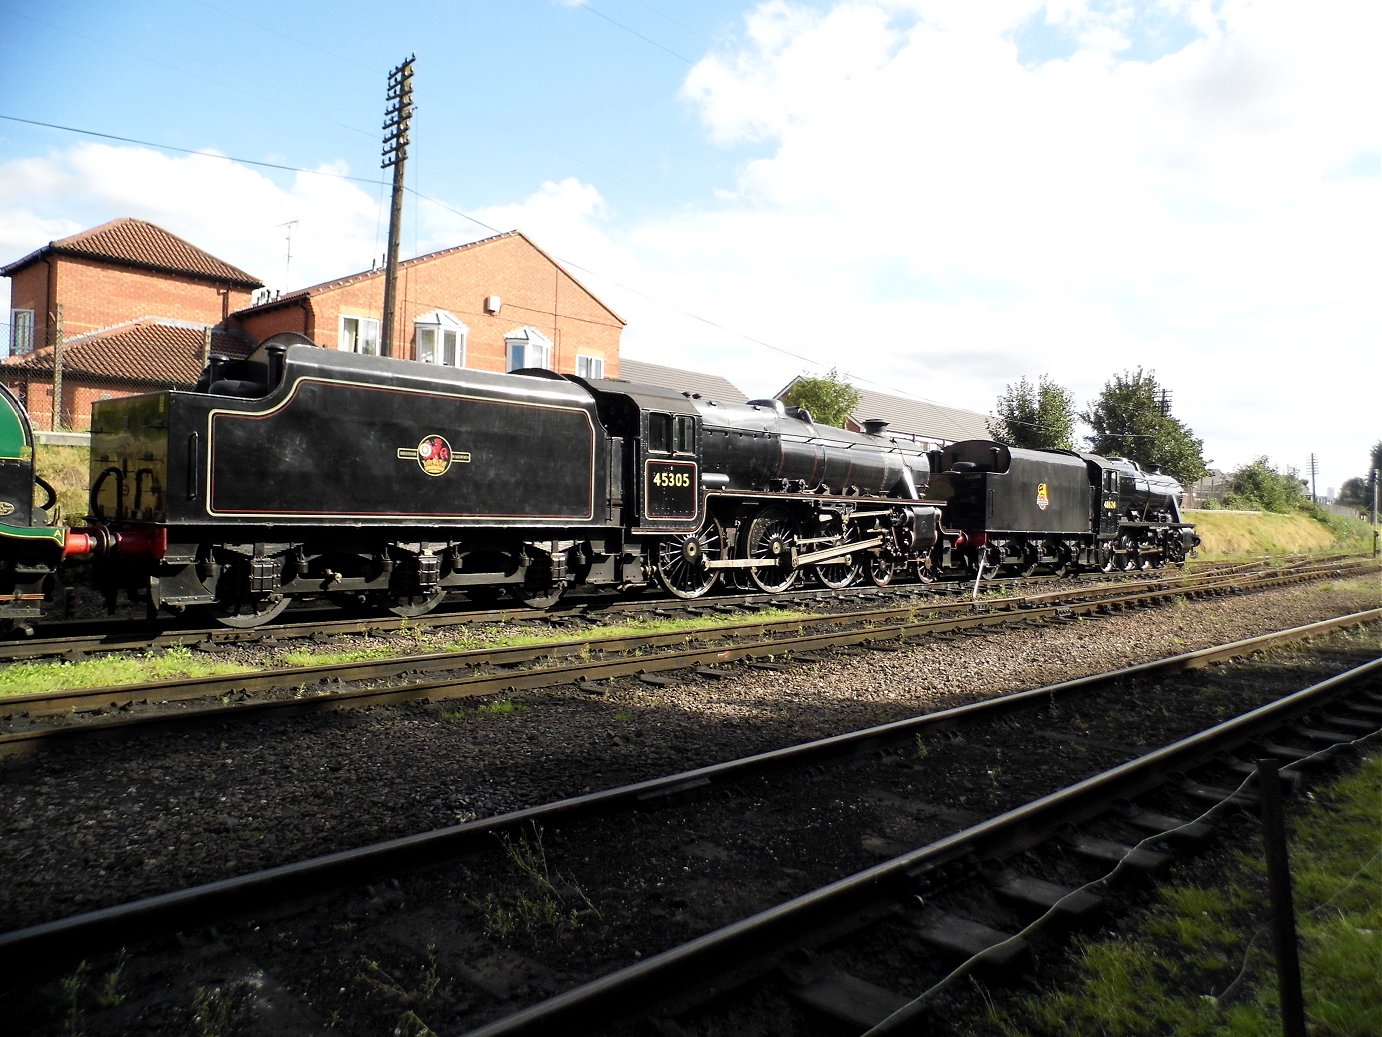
1230	533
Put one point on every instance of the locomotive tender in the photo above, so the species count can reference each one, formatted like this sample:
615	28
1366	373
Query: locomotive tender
303	473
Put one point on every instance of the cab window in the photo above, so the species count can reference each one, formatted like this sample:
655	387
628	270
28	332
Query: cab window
685	429
660	433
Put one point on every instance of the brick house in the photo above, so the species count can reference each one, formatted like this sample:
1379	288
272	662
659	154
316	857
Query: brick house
128	308
497	304
122	308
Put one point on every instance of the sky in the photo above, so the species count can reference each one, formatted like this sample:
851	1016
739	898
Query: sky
938	198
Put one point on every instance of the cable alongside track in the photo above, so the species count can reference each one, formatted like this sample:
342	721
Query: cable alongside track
753	946
56	940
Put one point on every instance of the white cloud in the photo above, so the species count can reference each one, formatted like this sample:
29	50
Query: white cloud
231	210
1180	192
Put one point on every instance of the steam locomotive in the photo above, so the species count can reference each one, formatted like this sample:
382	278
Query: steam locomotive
305	473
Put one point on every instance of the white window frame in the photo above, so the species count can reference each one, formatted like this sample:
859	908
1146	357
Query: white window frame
355	335
532	347
439	338
590	366
21	332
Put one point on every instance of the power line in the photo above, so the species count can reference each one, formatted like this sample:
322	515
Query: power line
888	388
187	151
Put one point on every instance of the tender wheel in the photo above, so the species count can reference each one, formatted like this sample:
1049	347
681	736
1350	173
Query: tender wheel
242	615
771	535
414	605
538	597
1030	560
840	574
681	561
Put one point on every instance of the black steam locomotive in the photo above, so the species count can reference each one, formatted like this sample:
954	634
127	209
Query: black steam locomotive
303	473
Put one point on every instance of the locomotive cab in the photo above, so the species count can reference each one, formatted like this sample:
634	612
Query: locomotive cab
657	435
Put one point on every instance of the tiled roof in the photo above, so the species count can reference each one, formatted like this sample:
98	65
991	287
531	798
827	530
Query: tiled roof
146	352
711	386
288	298
137	243
916	419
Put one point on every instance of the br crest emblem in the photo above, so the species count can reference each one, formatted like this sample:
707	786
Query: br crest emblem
433	455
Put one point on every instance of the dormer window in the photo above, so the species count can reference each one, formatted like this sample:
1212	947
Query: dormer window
528	347
439	338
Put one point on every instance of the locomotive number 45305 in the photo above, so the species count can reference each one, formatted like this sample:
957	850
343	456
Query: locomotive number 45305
671	479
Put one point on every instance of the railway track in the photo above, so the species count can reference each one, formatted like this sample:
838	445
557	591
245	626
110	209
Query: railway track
749	947
72	639
37	720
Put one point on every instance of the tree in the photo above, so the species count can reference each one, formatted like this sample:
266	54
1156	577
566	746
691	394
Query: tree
1129	421
1259	485
830	399
1038	417
1356	493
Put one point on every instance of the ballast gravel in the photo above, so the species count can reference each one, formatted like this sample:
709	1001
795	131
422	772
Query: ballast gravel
99	824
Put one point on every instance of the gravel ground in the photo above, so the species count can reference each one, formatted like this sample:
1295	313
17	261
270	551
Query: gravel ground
99	824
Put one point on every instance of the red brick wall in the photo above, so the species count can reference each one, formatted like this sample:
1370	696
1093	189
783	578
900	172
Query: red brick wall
534	291
97	295
29	291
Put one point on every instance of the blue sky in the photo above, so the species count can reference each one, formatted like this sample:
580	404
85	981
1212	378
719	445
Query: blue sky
940	197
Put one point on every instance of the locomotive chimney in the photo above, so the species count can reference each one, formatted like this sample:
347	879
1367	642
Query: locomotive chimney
275	352
215	364
874	426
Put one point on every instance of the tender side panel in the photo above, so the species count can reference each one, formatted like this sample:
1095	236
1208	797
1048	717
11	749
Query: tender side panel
341	449
1040	493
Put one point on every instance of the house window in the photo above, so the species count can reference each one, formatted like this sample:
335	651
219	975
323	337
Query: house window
590	366
359	335
440	339
528	347
21	332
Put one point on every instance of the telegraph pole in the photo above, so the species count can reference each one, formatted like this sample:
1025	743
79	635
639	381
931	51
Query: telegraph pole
1314	472
396	119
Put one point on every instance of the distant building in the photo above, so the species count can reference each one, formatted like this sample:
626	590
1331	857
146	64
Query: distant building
693	383
497	304
928	424
127	308
119	309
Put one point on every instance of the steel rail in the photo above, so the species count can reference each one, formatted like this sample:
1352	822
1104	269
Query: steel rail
137	635
583	671
38	945
537	677
718	953
184	688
